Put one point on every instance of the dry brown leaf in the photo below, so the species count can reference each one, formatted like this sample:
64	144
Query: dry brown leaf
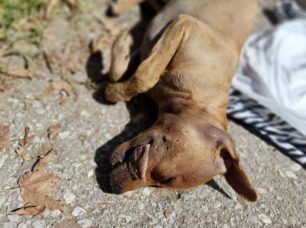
49	9
62	87
4	87
70	58
42	163
53	130
36	187
30	210
16	72
46	148
4	136
73	63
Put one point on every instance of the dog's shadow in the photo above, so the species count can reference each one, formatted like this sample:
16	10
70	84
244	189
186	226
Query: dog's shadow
143	111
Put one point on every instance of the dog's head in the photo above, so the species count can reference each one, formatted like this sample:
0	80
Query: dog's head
178	153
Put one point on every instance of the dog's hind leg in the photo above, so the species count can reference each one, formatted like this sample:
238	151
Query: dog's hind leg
149	71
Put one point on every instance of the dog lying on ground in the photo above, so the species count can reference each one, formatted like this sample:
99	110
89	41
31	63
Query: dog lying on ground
188	57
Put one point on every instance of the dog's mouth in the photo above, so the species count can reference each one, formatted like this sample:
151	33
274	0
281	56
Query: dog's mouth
137	161
130	165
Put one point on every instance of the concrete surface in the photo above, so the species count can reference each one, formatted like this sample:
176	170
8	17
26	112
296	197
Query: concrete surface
89	125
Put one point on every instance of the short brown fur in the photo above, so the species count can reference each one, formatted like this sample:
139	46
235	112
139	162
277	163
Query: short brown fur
188	73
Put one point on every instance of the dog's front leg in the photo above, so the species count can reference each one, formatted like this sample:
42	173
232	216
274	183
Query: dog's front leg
150	70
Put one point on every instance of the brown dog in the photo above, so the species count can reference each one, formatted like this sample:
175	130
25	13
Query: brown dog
189	55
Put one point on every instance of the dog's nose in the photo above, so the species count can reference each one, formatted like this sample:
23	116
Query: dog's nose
117	158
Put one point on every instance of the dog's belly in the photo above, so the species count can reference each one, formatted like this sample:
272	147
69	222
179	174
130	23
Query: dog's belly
203	65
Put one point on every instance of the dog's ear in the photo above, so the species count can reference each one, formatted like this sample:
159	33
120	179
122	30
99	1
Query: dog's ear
235	175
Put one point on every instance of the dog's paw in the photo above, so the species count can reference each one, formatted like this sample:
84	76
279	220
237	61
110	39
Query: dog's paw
115	93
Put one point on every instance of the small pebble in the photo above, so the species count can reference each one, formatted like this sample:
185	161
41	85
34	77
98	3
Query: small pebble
10	225
23	225
90	173
128	194
127	218
146	192
285	221
85	114
39	224
232	221
254	219
2	159
13	218
60	116
85	223
265	219
217	205
158	226
281	173
205	210
46	213
40	111
103	111
238	206
2	200
36	104
107	136
171	218
261	191
77	211
64	134
296	167
141	206
69	197
291	175
55	213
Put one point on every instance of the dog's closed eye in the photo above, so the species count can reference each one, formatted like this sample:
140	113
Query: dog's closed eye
167	180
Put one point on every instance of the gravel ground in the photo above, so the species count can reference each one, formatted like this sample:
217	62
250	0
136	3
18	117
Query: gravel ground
90	129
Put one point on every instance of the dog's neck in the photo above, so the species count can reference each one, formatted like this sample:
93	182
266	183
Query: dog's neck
182	105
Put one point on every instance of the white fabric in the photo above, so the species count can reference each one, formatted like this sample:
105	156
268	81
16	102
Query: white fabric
273	71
